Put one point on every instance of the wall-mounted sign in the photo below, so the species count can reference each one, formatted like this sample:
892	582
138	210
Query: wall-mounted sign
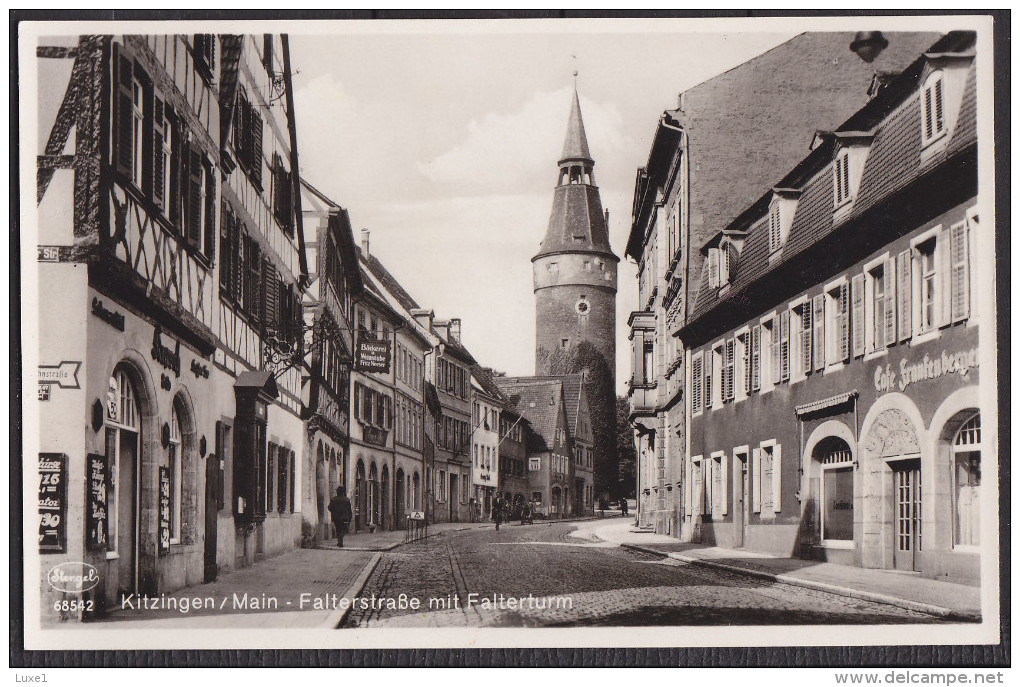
52	503
164	509
64	374
374	435
371	355
199	370
416	515
44	392
165	383
96	509
170	358
111	317
888	378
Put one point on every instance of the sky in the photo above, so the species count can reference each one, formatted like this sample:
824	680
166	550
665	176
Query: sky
442	139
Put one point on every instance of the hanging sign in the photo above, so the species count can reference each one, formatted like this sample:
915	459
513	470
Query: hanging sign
52	503
97	508
164	509
371	355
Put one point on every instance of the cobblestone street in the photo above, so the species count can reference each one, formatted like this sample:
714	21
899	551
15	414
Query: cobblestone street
540	575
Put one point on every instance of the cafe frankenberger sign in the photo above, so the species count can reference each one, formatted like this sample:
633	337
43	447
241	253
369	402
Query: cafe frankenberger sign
371	355
890	378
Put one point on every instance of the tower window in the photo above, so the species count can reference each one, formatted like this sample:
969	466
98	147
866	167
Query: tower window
564	343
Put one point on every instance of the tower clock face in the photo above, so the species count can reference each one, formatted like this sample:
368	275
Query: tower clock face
583	307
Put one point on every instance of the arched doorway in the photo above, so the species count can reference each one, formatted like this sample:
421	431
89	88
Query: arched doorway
321	492
966	450
373	495
385	519
401	494
360	496
123	455
556	504
416	491
834	469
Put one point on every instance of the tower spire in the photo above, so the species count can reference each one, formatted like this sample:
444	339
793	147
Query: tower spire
575	147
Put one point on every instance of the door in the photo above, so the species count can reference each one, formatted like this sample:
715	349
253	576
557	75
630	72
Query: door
740	507
212	478
907	495
453	498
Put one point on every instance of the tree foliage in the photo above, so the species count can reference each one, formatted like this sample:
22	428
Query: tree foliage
626	451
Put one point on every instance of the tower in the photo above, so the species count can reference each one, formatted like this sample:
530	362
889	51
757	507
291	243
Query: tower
575	269
575	295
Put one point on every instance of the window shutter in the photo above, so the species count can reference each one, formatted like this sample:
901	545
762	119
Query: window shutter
927	113
193	197
713	268
844	321
784	345
858	314
774	364
237	260
777	477
819	322
756	357
224	258
805	337
688	491
903	293
889	280
255	152
938	106
241	129
271	296
159	133
958	278
724	492
943	277
728	353
708	377
746	368
756	480
846	177
210	212
256	285
696	379
122	109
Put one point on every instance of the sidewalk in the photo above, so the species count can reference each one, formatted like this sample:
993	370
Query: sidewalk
945	599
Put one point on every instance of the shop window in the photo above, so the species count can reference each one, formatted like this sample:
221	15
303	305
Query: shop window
837	492
967	477
174	462
123	429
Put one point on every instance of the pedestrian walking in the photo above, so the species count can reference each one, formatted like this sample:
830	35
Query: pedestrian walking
342	513
497	510
623	507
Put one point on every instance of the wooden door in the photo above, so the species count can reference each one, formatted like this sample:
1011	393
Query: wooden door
907	496
212	479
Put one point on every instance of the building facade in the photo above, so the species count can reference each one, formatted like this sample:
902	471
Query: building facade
333	285
696	180
173	269
833	349
514	439
451	478
486	407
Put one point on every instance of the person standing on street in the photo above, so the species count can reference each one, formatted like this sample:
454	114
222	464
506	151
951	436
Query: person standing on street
342	513
623	507
497	510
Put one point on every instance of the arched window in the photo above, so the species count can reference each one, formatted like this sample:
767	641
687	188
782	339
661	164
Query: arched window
836	497
122	449
174	461
967	477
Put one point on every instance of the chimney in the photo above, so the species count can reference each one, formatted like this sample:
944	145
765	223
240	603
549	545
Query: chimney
455	329
607	218
364	242
424	317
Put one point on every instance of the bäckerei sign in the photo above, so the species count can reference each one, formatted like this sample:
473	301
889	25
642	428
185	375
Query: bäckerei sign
909	372
371	355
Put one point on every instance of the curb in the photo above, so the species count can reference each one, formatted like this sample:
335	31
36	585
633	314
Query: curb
353	591
876	597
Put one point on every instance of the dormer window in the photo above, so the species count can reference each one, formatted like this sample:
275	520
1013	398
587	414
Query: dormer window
933	122
841	177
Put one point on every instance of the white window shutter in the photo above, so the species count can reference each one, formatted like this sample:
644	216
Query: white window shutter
724	485
777	474
943	285
903	291
959	287
857	322
889	277
756	480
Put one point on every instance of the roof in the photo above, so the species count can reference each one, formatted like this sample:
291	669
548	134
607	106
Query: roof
893	162
388	281
572	385
575	147
539	402
483	376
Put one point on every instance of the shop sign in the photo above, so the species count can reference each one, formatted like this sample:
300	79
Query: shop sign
52	503
889	378
373	435
164	509
111	317
170	358
64	374
97	512
199	370
416	515
371	355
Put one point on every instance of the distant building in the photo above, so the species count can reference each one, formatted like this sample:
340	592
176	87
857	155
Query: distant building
728	140
834	405
487	402
451	478
514	438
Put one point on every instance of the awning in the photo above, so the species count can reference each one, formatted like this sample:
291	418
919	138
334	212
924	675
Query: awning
830	402
258	379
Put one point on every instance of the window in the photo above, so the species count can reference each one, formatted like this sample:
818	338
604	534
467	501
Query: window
933	123
800	335
766	482
769	351
122	451
837	328
137	132
742	365
928	293
724	265
879	327
775	228
534	463
967	476
755	357
174	459
696	383
283	478
270	468
709	360
248	131
720	495
442	485
727	371
841	178
959	274
283	191
713	268
837	492
649	360
205	54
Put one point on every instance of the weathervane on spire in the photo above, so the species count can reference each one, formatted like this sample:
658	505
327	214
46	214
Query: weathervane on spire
574	57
